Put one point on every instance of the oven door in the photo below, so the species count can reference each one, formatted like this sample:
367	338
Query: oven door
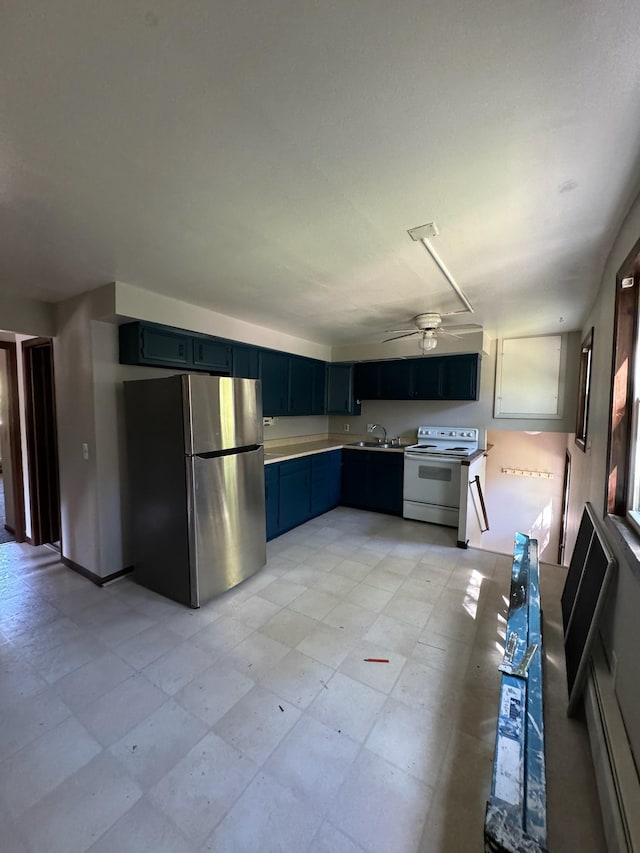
431	488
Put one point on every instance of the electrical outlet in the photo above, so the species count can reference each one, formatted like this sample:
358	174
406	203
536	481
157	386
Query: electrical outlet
369	427
85	451
347	427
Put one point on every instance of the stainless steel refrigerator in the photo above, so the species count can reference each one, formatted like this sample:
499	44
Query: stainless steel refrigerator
195	459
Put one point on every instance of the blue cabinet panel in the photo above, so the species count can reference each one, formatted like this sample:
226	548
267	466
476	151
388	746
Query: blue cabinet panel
212	355
295	492
272	499
460	377
340	396
373	480
299	489
396	381
245	362
318	400
274	373
366	377
300	386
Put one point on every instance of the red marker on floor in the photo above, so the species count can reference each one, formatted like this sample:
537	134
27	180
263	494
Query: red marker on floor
377	660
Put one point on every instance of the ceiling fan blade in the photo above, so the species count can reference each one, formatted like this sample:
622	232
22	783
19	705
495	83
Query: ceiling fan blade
399	337
448	334
463	327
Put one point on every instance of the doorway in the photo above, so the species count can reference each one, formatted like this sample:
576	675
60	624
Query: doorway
12	516
42	444
565	505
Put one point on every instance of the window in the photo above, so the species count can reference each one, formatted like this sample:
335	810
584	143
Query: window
584	390
623	470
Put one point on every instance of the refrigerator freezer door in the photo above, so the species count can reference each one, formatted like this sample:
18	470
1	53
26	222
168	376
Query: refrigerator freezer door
227	521
221	413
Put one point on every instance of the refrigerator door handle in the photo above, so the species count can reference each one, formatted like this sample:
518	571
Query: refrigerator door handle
213	454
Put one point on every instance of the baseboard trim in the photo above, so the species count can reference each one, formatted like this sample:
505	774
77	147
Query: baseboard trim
616	776
10	529
92	576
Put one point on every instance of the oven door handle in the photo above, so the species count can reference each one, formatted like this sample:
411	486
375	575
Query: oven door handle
432	458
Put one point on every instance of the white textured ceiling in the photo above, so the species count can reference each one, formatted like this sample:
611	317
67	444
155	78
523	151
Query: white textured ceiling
265	158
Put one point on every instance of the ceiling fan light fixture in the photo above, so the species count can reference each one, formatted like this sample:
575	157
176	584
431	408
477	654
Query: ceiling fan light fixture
428	341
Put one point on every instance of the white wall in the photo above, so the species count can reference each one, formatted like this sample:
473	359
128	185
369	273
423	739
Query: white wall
402	418
588	481
524	504
27	316
80	485
137	304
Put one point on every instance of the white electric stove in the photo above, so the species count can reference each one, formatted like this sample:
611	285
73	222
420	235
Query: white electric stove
432	473
445	441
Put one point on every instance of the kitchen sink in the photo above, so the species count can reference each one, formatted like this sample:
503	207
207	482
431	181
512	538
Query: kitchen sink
379	444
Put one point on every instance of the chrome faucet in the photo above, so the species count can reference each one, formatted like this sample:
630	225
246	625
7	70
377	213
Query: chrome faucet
379	426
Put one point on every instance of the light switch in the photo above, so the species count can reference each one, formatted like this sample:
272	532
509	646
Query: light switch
85	450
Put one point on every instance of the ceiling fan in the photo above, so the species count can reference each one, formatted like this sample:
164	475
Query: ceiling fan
429	324
429	327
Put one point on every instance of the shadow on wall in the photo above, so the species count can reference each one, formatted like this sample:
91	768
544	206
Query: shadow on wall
517	499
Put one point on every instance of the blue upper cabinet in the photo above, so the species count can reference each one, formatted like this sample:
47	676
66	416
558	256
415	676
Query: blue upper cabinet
340	391
396	381
300	386
291	384
461	377
246	362
211	355
366	378
427	378
319	394
447	377
274	373
158	346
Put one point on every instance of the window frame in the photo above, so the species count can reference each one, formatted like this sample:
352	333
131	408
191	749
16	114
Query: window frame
620	455
584	392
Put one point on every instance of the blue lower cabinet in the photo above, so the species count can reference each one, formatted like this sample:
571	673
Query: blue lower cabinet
272	499
373	480
325	481
300	489
295	493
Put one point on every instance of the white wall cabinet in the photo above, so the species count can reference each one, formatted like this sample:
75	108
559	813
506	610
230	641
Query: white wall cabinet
530	377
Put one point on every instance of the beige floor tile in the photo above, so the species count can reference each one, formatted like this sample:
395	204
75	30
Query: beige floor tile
257	723
348	706
312	761
202	786
381	807
415	778
268	816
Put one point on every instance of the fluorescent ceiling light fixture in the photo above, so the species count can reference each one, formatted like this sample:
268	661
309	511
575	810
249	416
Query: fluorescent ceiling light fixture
421	234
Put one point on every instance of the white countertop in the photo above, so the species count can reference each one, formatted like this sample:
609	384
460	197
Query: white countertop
294	450
282	452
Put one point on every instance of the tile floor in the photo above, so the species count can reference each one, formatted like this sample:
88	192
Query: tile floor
130	723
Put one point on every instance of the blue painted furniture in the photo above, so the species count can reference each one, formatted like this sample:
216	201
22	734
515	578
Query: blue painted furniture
300	489
373	480
516	816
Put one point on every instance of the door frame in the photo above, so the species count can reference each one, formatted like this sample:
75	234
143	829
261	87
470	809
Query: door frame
566	483
37	493
15	440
